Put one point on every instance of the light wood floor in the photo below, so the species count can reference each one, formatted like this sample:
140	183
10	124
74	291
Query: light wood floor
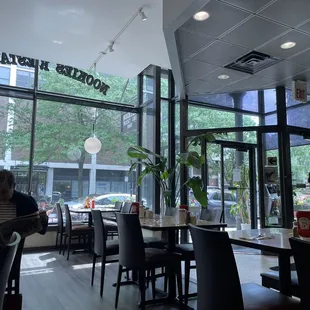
50	282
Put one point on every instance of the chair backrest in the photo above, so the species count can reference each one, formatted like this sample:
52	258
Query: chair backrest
131	245
301	252
60	220
216	271
118	205
126	207
68	220
7	255
100	233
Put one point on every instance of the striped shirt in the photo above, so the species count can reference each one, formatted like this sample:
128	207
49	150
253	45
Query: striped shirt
7	212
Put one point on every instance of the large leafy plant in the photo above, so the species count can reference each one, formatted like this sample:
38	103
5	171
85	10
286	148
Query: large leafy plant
242	207
157	166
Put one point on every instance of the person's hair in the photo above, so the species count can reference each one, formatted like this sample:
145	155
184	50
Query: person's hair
7	177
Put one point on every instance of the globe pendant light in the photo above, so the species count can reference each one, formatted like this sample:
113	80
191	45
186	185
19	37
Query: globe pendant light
92	145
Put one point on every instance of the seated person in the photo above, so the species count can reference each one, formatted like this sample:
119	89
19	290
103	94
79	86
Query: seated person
18	212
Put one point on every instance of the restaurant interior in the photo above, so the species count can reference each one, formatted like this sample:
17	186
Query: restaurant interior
168	143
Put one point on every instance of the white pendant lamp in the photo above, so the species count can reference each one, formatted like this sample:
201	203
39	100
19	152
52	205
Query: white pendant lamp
92	145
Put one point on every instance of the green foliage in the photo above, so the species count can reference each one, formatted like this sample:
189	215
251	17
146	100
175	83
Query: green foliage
242	207
164	175
62	127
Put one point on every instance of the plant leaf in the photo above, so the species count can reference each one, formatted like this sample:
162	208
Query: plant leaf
132	168
143	173
196	184
133	152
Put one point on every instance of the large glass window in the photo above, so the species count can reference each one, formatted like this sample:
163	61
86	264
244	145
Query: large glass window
71	174
5	75
15	133
59	80
24	78
203	118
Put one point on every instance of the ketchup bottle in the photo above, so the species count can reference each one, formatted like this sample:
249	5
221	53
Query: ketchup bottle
93	202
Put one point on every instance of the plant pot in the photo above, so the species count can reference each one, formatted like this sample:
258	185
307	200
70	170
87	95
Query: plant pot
245	226
238	222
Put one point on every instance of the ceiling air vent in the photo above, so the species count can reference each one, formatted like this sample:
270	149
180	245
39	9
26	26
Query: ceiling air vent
253	62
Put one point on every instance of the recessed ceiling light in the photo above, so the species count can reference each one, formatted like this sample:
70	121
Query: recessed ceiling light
288	45
201	15
223	77
57	42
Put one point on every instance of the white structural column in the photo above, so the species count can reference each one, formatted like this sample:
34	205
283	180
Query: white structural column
92	174
49	181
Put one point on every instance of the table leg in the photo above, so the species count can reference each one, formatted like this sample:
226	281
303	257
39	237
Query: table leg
171	274
285	274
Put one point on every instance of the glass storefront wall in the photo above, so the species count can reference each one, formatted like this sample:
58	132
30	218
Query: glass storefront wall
62	169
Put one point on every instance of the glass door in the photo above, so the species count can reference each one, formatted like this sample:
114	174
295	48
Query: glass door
231	184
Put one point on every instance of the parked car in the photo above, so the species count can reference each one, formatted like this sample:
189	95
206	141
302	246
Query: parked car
215	204
102	200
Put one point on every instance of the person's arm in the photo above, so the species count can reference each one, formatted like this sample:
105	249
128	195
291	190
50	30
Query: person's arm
33	208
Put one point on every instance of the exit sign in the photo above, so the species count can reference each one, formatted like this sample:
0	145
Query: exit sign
300	91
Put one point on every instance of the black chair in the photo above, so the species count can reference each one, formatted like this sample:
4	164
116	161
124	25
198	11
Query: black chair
271	279
60	228
102	247
218	282
75	232
7	255
188	255
301	253
14	278
134	256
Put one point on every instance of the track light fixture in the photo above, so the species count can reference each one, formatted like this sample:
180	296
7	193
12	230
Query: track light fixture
142	14
110	47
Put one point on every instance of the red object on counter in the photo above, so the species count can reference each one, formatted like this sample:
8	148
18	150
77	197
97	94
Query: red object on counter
303	221
93	202
135	207
183	207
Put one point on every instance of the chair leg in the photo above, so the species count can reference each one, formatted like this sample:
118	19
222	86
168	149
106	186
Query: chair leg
187	274
102	274
60	242
93	269
118	284
69	245
148	276
166	281
179	281
153	279
65	243
56	244
142	288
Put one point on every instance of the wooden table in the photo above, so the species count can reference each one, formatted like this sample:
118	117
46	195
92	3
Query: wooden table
279	245
170	225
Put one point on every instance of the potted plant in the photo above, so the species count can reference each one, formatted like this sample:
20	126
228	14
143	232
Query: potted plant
241	209
157	166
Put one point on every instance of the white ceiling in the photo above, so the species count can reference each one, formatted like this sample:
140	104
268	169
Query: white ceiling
236	27
85	28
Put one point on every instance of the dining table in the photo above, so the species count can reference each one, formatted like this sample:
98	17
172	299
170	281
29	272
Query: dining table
171	225
272	240
88	212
